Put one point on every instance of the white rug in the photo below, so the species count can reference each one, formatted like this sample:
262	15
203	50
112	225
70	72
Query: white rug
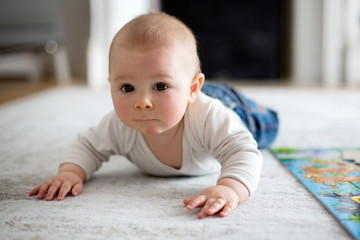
120	202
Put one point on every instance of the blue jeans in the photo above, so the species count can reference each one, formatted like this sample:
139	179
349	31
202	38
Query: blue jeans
263	123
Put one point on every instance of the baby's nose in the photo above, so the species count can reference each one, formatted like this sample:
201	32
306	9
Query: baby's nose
143	103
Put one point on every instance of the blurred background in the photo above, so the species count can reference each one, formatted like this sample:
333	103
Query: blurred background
45	43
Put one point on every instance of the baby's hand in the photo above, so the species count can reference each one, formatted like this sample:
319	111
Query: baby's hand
214	199
63	182
222	198
69	178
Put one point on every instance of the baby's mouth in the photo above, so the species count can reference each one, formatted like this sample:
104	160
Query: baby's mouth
146	120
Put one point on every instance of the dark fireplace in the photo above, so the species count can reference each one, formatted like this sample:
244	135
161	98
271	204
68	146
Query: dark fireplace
237	39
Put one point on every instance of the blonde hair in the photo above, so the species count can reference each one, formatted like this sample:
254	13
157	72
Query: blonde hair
155	30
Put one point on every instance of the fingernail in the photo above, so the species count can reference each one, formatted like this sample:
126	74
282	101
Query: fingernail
223	213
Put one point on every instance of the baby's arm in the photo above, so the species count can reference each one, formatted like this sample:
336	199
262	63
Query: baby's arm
69	178
223	198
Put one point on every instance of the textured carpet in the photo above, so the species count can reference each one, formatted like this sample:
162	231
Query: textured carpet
120	202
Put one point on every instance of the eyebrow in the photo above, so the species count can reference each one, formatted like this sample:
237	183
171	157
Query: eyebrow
121	78
127	78
162	75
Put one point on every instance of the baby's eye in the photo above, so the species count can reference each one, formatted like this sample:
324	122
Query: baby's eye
127	88
160	87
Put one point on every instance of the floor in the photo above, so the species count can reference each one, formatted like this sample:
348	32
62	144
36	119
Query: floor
120	202
14	88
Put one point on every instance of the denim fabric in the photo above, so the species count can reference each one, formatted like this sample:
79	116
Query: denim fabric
263	123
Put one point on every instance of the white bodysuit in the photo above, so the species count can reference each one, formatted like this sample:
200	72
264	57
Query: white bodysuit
213	134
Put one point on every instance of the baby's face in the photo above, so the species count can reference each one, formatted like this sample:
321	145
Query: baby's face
150	89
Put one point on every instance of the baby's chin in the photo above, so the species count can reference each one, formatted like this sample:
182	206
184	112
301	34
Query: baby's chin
153	131
153	127
148	130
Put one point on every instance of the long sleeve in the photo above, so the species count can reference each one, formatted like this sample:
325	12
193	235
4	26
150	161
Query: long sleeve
99	143
221	132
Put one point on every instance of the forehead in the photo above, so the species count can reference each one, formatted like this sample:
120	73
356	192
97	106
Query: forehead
141	62
140	55
166	55
126	38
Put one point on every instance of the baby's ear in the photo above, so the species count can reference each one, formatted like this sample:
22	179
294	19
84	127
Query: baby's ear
196	85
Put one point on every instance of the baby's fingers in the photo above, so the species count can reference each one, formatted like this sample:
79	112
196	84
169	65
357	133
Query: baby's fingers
64	190
214	207
197	201
229	207
211	207
42	189
34	191
77	189
54	188
66	187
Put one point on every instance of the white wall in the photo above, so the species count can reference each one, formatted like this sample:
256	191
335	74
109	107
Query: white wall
332	58
326	42
352	42
306	41
106	18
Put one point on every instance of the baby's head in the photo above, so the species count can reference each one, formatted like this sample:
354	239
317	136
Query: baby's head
155	30
154	73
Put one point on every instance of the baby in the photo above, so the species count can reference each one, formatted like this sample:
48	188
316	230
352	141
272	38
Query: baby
162	122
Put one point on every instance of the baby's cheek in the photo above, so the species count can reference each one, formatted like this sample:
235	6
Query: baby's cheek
173	111
122	110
